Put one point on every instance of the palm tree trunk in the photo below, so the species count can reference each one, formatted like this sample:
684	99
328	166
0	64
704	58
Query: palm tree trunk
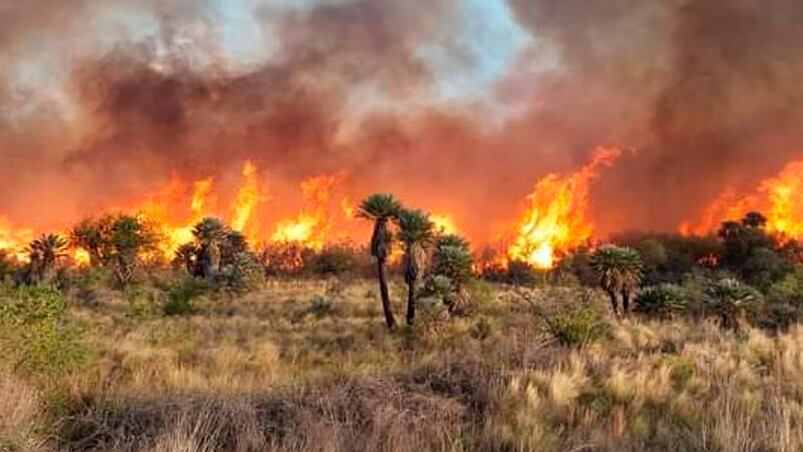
410	303
383	290
625	302
614	304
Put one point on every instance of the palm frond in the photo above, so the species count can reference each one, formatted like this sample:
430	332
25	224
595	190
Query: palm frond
415	226
379	206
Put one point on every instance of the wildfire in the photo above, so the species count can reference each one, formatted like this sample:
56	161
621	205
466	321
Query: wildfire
557	218
777	197
200	194
81	257
247	198
444	224
311	227
14	239
348	208
174	214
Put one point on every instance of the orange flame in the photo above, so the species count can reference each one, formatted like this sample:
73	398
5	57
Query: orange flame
14	239
174	216
311	227
777	197
247	198
557	218
200	195
81	257
444	224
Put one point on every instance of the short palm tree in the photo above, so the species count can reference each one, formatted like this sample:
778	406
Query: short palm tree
731	301
44	253
416	232
381	208
453	260
619	271
130	237
210	234
90	235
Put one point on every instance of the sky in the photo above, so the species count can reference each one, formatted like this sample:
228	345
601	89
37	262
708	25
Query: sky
466	59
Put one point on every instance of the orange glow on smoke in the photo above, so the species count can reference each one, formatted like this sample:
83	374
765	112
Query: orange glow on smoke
557	217
777	197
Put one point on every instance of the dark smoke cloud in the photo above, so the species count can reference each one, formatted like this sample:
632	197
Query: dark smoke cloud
705	90
708	92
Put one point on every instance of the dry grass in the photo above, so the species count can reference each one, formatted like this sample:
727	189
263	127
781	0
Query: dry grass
662	386
276	371
20	414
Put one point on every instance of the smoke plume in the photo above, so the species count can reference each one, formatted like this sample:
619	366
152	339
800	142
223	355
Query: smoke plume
104	100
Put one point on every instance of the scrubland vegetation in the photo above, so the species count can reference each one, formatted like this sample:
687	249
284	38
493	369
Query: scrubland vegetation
655	342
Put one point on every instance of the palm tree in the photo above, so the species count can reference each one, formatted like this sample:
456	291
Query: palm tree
44	253
130	236
381	208
754	220
210	234
91	236
416	232
619	270
453	261
731	300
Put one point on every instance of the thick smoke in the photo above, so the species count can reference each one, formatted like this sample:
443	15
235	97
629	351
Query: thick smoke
707	92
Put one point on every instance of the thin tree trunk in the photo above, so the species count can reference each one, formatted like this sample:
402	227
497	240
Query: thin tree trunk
383	290
614	304
625	302
410	303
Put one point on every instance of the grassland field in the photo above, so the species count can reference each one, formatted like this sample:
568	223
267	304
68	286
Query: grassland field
309	365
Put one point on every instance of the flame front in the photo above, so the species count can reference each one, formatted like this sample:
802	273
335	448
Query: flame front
557	217
777	197
311	227
555	221
14	239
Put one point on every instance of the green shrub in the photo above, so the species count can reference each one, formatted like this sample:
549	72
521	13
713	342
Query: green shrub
31	304
180	296
662	301
517	272
245	273
783	305
87	284
578	326
335	260
49	348
437	286
730	300
35	331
